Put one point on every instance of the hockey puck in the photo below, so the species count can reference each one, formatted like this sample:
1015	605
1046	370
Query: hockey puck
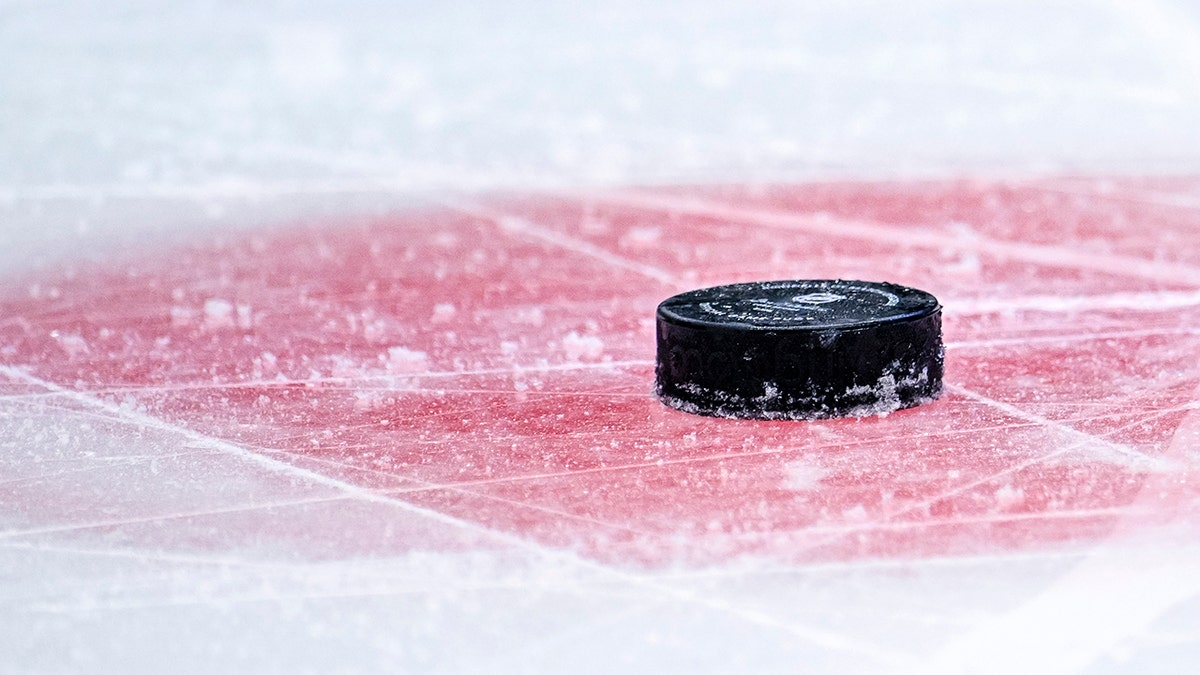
799	349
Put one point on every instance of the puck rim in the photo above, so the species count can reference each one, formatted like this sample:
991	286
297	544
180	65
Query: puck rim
930	306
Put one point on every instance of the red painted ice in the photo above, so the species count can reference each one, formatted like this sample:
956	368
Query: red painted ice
489	363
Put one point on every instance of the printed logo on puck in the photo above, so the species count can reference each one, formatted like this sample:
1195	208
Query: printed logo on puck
793	303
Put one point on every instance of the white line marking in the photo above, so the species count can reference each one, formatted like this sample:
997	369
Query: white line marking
522	226
1153	301
377	382
1123	454
1059	339
816	636
915	237
158	517
143	555
1122	194
202	441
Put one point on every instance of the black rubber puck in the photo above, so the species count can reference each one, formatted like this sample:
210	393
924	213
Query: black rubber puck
799	349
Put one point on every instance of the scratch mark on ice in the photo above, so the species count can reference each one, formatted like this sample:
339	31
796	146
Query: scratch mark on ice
525	227
816	636
1122	592
1112	451
879	233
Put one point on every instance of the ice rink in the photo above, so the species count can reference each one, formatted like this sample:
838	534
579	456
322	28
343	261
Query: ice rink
327	336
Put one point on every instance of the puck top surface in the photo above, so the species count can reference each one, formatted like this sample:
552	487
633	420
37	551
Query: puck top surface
798	305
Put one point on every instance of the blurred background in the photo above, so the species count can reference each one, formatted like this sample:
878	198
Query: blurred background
147	97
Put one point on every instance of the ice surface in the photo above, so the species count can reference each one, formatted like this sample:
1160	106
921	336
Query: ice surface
330	456
281	391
